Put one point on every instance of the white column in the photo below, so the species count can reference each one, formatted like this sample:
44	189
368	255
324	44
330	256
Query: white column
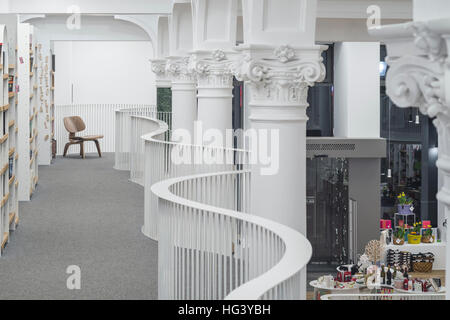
215	86
357	89
279	79
214	31
184	93
278	76
162	79
419	77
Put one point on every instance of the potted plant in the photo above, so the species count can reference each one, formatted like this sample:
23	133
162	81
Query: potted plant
414	236
427	234
399	236
404	204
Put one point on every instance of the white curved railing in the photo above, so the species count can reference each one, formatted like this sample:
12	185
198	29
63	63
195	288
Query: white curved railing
126	133
208	248
211	252
161	165
382	296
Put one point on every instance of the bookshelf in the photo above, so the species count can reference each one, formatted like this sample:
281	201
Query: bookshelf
9	217
46	103
28	110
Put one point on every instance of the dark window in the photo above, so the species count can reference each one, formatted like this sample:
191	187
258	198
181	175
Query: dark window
320	99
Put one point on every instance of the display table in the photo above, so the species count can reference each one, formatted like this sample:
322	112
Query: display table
441	290
438	249
320	290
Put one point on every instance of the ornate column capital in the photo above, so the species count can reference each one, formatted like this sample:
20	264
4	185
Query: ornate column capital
159	68
213	68
178	69
419	76
280	77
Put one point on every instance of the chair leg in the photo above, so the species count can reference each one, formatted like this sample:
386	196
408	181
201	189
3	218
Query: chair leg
82	150
66	147
97	144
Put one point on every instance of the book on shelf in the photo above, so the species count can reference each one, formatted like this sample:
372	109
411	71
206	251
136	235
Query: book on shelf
31	64
11	164
11	83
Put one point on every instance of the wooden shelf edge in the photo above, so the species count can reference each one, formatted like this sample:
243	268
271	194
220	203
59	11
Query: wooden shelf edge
4	138
5	167
5	199
12	215
5	239
11	180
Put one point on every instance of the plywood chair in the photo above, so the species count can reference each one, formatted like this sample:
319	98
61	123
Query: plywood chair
75	124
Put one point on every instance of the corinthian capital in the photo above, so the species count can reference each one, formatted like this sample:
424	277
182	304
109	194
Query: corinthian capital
282	73
416	81
213	68
178	69
159	68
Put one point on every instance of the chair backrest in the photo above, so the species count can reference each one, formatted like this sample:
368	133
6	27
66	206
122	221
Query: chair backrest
74	124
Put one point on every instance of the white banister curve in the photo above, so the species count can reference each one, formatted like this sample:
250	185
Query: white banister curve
209	245
296	254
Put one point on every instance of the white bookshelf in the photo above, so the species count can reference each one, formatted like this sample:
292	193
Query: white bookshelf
28	110
9	217
46	103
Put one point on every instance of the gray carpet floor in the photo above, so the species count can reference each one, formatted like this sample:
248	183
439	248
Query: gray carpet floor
83	213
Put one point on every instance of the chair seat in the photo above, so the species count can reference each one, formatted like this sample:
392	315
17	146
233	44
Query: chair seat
92	137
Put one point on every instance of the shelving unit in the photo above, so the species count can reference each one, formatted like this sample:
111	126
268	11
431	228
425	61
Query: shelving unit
46	103
9	217
28	110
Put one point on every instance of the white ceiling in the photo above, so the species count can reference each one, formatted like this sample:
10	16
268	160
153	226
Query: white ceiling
353	9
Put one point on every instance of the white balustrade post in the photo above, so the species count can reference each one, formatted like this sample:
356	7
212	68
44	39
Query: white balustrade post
280	61
419	76
184	93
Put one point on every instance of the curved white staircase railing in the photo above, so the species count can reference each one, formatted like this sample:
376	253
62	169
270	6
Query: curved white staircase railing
209	252
209	246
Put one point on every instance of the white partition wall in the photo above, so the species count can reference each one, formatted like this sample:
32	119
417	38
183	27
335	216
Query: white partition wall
357	89
27	110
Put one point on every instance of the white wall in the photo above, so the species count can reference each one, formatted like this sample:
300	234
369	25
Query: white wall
104	72
357	89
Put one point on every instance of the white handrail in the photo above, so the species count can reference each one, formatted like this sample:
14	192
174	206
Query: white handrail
296	252
208	247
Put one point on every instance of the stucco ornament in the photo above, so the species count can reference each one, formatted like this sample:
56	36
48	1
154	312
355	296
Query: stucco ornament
427	40
178	69
284	53
285	76
159	67
218	55
213	68
418	80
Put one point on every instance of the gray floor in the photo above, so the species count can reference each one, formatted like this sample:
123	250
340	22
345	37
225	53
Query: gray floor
83	213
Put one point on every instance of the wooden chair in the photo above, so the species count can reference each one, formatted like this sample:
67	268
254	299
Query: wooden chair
75	124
